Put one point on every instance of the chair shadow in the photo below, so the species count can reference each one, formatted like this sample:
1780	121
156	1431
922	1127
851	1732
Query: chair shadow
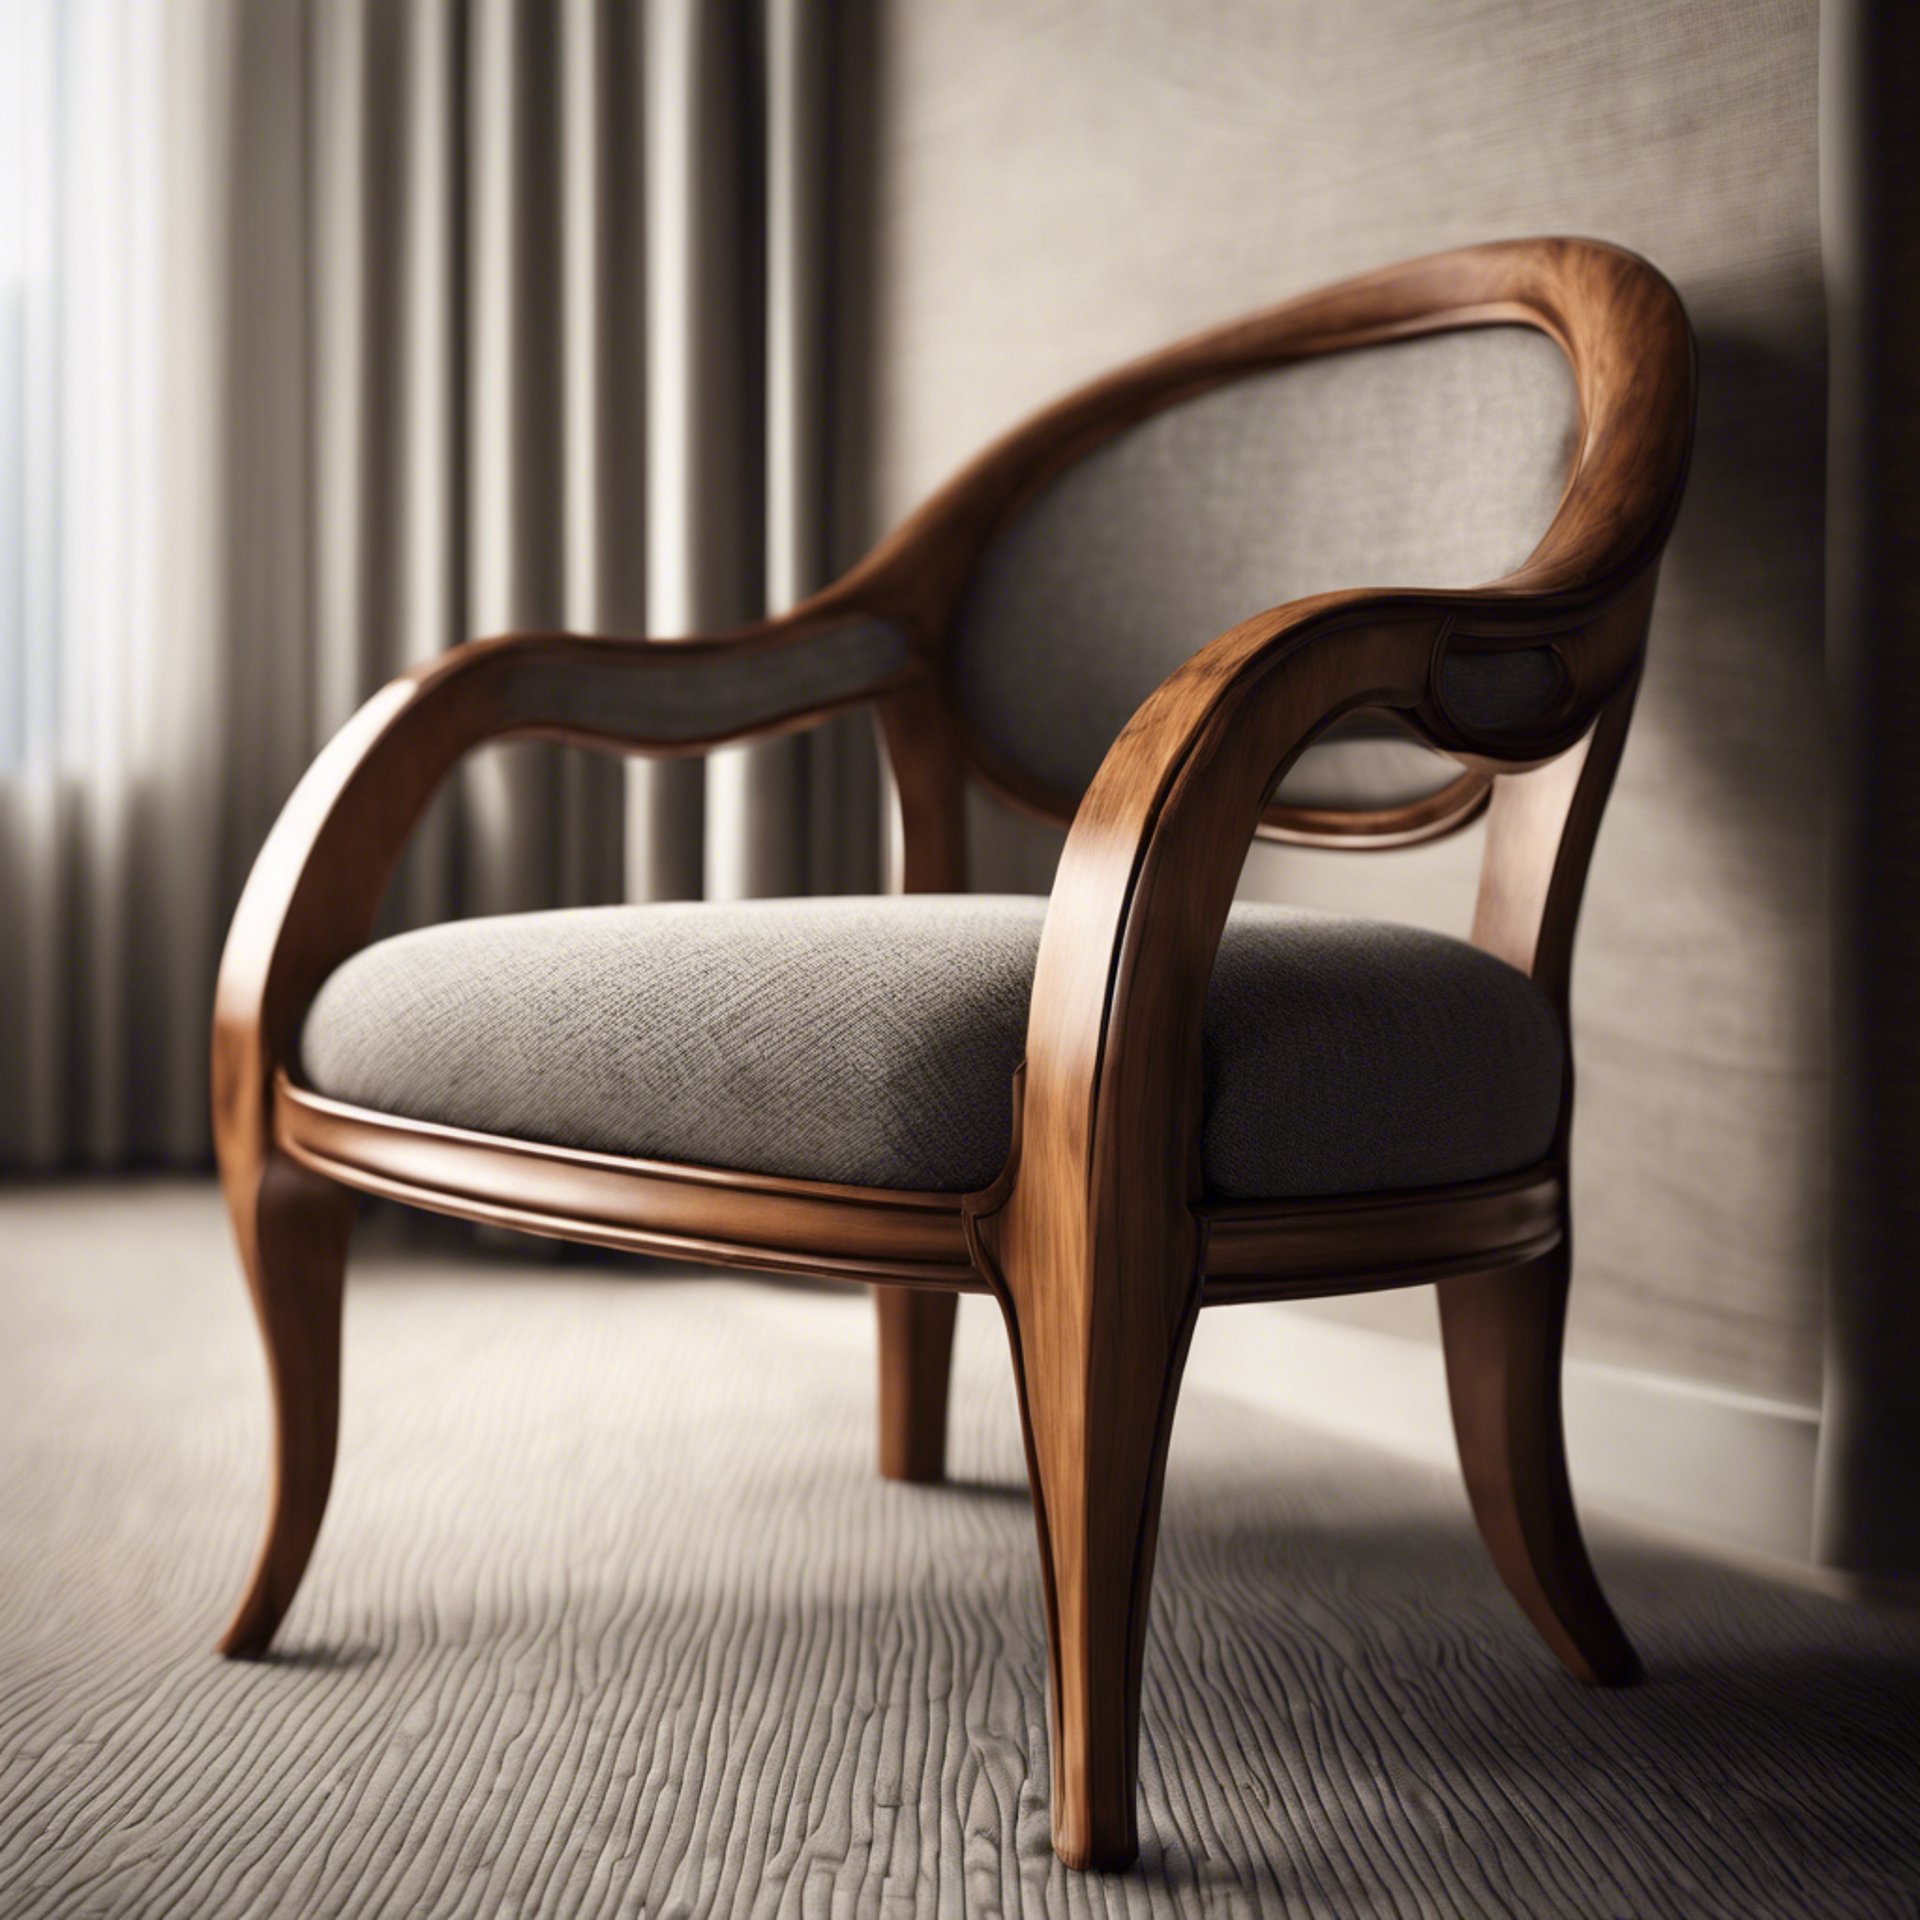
1776	1733
316	1658
1013	1492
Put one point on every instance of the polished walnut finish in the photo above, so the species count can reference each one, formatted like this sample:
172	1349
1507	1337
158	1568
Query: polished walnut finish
1096	1238
905	1243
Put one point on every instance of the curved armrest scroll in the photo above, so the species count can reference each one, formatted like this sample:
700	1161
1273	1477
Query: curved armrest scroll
318	882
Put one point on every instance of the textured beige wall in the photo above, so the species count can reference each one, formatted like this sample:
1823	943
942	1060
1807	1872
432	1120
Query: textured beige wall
1051	187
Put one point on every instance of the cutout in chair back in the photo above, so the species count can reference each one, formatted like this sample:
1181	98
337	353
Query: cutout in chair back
1434	462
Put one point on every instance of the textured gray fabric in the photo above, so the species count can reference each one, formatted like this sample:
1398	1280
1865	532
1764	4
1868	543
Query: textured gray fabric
874	1041
1429	463
706	694
611	1620
1365	763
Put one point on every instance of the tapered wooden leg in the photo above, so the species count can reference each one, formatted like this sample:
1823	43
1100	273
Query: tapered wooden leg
1502	1333
916	1363
292	1229
1097	1402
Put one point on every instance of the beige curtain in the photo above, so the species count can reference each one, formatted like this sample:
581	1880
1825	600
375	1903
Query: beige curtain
344	331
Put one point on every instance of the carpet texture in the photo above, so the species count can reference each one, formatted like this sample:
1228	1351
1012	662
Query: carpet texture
610	1616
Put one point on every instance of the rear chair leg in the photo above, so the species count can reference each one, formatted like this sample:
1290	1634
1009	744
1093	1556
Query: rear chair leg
292	1228
1502	1333
916	1362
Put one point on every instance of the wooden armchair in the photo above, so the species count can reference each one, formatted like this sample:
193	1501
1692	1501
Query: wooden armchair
1335	1106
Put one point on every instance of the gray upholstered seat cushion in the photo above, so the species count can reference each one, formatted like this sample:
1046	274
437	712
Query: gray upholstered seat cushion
873	1041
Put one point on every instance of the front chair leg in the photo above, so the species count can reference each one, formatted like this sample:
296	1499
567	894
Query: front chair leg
1502	1333
292	1229
916	1362
1097	1402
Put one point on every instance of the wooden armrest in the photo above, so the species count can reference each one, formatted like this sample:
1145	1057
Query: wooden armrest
314	890
1148	873
1101	1192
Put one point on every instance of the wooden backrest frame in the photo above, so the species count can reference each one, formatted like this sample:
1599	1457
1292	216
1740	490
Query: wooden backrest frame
1626	341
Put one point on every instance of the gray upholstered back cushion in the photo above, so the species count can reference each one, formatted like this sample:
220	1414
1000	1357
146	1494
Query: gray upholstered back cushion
1426	463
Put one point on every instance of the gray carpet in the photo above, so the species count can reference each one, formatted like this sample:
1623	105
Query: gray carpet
610	1616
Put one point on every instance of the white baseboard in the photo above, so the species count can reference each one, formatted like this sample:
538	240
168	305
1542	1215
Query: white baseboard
1727	1469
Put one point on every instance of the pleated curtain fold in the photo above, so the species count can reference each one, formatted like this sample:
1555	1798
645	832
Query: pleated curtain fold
339	333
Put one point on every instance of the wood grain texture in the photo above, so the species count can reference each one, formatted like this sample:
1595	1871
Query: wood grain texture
929	855
916	1362
1258	1251
1502	1333
898	1241
318	883
293	1232
762	1221
592	1632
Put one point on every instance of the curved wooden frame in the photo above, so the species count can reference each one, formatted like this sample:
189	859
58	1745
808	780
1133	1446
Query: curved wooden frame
1255	1250
1096	1238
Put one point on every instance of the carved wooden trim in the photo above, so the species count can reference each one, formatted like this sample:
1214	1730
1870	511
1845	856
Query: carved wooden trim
1306	1248
714	1215
705	1214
